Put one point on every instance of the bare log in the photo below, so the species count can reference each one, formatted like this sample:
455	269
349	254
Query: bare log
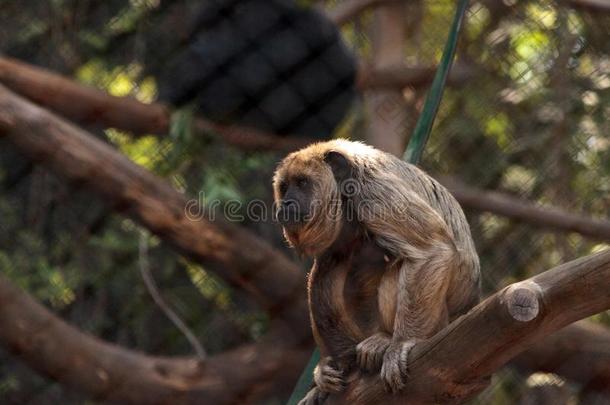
454	365
579	352
235	254
511	207
107	372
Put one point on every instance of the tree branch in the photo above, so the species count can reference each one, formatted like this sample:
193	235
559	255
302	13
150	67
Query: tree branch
453	365
235	254
107	372
511	207
87	105
82	103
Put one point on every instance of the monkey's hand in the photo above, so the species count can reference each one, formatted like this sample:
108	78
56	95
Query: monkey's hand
370	352
394	371
327	377
314	397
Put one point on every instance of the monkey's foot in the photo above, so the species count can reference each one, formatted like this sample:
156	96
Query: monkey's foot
327	377
314	397
394	371
370	352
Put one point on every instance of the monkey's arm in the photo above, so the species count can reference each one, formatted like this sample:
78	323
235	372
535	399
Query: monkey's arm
409	228
420	312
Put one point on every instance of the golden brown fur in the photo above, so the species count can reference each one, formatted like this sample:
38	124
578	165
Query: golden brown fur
394	259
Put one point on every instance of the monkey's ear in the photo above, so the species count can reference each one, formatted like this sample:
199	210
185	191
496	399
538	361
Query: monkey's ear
339	164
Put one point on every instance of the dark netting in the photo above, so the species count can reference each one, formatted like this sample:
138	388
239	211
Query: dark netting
272	65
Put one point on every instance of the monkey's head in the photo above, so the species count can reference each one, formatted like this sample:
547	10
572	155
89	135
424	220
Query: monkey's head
309	189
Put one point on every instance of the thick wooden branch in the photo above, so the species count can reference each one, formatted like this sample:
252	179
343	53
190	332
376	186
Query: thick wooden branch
579	352
235	254
87	105
107	372
453	365
82	103
514	208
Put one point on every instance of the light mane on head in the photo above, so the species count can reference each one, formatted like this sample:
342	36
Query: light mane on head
351	149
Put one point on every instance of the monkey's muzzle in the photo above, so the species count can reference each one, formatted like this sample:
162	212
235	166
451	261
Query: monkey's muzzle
290	215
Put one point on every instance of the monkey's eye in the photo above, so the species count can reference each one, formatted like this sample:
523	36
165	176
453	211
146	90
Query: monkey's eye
302	182
283	187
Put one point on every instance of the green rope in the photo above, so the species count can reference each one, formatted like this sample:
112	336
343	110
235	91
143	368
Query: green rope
433	99
412	154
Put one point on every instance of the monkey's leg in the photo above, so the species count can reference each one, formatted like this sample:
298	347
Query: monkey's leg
420	312
370	351
327	377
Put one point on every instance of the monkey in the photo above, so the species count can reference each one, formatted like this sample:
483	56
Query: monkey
272	65
394	260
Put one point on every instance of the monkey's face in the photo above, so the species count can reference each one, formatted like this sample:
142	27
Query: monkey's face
296	202
307	202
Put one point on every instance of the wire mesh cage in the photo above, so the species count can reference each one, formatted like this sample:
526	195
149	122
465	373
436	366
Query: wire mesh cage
524	115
